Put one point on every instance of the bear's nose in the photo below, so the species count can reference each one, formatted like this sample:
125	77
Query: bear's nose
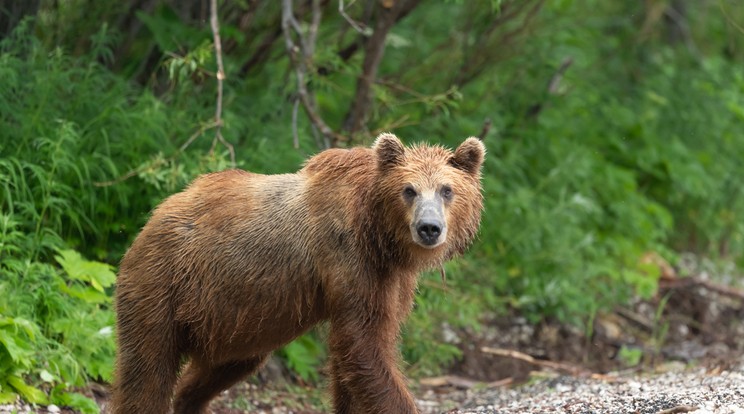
429	232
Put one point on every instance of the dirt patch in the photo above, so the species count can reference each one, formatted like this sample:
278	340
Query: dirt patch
688	320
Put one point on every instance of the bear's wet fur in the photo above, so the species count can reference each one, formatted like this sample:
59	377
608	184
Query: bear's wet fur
239	264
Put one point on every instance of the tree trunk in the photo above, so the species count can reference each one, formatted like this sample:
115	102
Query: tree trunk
373	52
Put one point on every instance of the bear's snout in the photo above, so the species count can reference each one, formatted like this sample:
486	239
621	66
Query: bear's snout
429	228
429	232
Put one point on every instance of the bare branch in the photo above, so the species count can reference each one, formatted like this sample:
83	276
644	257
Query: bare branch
352	23
374	50
485	130
729	291
214	23
295	136
496	38
727	15
555	81
298	57
553	87
312	33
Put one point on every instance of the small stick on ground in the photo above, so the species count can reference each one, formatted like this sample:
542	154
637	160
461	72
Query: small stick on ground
461	382
556	366
707	284
679	409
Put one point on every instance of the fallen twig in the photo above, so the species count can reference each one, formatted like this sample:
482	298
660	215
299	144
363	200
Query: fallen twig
729	291
637	319
508	353
556	366
679	409
461	382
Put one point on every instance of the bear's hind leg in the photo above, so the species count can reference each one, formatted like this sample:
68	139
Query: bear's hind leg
201	382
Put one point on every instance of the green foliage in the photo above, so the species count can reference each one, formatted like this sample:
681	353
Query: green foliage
630	356
57	142
56	324
304	356
635	147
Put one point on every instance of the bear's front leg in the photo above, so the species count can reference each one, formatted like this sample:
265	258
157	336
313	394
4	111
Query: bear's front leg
365	377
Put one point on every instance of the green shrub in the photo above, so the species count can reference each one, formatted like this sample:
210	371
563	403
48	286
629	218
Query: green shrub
66	125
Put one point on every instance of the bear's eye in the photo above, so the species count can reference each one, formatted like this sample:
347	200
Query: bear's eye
447	193
409	192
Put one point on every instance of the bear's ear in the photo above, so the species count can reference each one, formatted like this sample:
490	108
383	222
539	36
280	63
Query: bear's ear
469	156
390	151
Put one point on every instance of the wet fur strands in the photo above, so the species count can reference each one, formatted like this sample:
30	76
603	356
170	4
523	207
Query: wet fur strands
239	264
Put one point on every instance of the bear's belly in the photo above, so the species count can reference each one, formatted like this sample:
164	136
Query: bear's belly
251	322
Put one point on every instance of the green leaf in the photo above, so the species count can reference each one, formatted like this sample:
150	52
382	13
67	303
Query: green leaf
27	392
46	376
85	293
99	275
16	348
77	401
7	397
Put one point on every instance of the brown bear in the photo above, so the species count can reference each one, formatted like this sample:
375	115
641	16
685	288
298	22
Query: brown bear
239	264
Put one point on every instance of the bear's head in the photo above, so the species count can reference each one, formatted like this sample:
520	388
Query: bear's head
432	194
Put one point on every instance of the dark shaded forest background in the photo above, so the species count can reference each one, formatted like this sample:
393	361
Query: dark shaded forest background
615	132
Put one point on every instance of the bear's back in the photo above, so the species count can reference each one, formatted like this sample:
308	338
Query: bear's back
227	222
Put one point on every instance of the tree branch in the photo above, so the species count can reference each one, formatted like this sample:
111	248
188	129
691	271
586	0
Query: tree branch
485	130
214	23
374	50
299	56
553	87
495	42
352	23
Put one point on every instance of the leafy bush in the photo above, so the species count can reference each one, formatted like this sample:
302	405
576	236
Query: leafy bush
56	322
66	124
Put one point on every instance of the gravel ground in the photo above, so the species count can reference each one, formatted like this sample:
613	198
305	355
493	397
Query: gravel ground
678	390
697	391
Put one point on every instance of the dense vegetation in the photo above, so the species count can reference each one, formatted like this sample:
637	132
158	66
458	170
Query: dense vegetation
614	129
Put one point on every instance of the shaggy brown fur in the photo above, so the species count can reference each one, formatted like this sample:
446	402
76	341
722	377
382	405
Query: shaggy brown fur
239	264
